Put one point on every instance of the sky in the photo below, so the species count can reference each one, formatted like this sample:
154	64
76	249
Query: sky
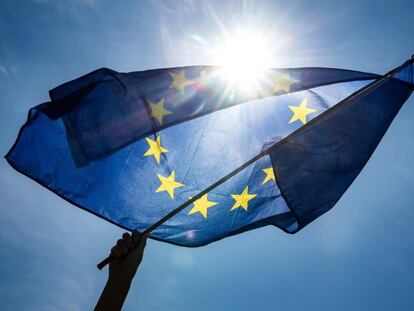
358	256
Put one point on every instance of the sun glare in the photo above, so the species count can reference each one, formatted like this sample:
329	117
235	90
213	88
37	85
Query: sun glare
244	58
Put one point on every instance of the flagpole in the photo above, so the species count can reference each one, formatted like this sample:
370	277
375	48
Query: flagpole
174	212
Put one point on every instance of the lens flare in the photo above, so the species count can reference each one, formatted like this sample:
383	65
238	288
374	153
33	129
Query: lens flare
244	59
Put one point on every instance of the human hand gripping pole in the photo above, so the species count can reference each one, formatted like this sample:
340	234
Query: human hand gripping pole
114	254
126	257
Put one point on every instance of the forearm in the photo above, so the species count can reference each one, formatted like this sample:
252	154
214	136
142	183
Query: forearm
113	295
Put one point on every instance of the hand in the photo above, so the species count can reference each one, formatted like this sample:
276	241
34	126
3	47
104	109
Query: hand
126	257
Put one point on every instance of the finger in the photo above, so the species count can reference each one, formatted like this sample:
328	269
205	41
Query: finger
135	236
142	241
123	249
128	241
115	252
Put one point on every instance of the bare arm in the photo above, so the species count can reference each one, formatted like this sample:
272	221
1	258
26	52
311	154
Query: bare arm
122	271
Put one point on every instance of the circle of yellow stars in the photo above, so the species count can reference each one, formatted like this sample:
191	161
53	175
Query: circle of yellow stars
168	184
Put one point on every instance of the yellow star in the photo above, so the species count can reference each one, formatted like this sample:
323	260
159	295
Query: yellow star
300	112
270	175
158	111
168	184
201	205
179	81
282	84
242	199
155	148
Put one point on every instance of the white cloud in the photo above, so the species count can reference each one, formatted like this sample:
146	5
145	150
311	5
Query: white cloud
182	258
72	8
3	70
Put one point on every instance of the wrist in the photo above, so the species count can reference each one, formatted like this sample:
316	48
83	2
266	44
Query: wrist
118	283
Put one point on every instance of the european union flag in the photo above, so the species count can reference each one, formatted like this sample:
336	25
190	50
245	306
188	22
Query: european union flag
134	147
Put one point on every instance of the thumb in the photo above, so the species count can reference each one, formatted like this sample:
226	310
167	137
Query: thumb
140	240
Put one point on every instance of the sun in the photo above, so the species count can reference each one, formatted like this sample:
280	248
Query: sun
244	59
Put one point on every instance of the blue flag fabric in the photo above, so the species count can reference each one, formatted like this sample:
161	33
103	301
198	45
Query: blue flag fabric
132	147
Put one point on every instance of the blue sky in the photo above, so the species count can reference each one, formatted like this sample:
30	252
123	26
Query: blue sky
359	256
